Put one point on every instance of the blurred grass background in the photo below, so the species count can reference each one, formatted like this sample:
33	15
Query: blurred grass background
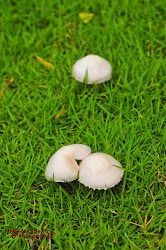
125	118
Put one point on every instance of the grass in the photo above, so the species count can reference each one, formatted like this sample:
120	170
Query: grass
125	118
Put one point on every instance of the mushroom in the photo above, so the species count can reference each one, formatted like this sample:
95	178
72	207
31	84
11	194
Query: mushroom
99	171
98	69
62	165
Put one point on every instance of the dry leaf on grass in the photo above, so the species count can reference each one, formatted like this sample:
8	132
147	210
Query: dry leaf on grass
7	85
2	92
45	63
59	113
86	17
10	82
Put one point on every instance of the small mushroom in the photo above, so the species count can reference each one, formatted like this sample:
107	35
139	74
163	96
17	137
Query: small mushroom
62	164
97	68
99	171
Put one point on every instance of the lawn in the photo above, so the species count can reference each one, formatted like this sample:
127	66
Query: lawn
43	109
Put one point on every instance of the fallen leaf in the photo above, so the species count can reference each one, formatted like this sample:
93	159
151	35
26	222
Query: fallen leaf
43	86
154	84
2	92
153	235
86	17
34	203
7	85
32	128
10	82
45	63
60	113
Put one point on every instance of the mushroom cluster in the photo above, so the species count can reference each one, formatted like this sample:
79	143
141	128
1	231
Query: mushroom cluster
97	170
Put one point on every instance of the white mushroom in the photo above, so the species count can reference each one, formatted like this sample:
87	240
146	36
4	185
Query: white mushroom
99	171
62	164
98	69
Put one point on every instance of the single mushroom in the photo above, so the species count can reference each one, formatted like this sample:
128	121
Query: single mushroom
62	164
97	68
99	171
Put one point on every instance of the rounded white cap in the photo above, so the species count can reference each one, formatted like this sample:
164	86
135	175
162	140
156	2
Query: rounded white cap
99	171
62	164
98	69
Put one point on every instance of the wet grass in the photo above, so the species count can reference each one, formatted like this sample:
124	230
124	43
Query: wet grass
124	118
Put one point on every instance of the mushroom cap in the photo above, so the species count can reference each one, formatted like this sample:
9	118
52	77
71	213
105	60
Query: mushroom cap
98	171
62	164
98	69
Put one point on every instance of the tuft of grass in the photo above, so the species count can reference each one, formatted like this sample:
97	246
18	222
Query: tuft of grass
125	118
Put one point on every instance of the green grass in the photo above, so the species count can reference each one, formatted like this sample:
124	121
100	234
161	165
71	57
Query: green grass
125	118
